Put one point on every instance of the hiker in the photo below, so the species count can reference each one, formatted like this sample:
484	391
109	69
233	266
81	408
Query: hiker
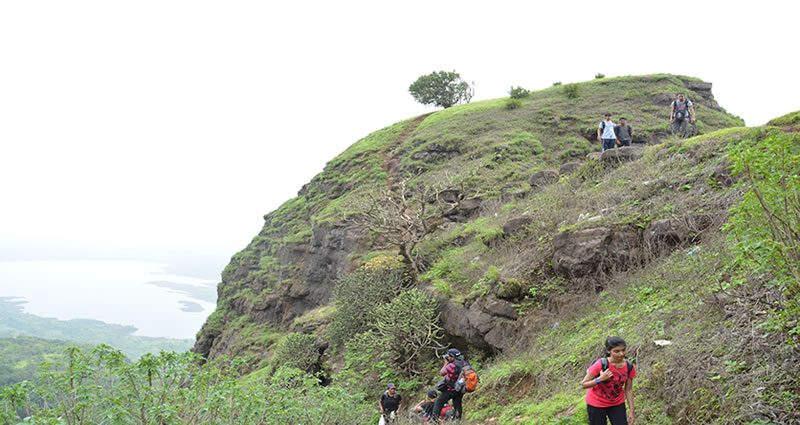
424	408
605	133
609	382
681	110
454	361
623	132
390	402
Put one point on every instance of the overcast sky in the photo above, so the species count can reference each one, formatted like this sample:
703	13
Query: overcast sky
167	129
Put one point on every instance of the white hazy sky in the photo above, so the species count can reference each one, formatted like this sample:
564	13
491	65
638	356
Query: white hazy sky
166	129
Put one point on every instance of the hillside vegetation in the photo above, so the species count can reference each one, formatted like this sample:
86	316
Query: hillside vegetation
516	242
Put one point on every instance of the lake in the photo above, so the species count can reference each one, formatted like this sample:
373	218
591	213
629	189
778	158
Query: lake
144	295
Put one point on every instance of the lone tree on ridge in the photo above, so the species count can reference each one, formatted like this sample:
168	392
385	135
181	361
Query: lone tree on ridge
441	88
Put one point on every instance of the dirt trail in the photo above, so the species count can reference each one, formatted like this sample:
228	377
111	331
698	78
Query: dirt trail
391	163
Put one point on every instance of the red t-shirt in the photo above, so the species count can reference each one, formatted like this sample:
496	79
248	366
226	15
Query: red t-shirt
611	392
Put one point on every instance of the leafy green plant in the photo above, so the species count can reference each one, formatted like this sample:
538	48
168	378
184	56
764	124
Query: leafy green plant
572	90
599	75
298	351
357	295
409	329
766	223
513	104
519	93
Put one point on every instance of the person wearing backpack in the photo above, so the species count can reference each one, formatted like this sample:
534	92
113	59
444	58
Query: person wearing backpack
681	111
454	362
390	402
609	381
624	132
605	133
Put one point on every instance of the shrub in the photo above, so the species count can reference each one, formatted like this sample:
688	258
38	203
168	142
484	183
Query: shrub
599	76
557	83
513	104
357	295
298	351
766	224
408	326
571	90
518	93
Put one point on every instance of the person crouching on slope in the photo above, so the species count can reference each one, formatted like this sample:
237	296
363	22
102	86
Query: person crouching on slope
609	383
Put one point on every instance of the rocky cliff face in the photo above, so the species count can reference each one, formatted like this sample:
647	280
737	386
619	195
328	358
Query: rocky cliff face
290	268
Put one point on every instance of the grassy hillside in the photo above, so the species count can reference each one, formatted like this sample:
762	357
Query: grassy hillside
483	146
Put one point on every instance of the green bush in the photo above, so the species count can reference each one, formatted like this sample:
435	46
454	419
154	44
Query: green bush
513	104
557	83
357	295
409	329
298	351
100	387
599	76
519	93
572	90
766	223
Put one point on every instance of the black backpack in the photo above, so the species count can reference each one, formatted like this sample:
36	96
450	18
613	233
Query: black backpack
604	366
680	114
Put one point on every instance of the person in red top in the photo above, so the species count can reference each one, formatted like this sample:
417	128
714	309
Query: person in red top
454	361
609	389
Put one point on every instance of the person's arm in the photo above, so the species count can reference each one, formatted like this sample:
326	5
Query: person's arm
443	370
616	134
591	379
599	132
629	400
631	133
418	408
380	404
672	111
400	405
691	109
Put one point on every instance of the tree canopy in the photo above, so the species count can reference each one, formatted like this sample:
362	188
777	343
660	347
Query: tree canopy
441	88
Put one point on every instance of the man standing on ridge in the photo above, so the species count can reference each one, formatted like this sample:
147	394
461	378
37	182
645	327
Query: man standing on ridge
605	133
454	361
624	132
680	111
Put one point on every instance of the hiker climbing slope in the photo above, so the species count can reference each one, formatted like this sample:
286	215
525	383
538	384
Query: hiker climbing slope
390	402
609	381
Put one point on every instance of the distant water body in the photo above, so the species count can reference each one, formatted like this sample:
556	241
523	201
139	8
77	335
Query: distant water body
140	294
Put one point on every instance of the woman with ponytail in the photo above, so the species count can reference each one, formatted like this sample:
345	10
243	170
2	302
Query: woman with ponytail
609	384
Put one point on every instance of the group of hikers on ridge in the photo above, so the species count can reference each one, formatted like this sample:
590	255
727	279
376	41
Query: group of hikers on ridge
608	381
681	112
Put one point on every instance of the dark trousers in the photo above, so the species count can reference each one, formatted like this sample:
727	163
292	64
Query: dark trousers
444	397
597	415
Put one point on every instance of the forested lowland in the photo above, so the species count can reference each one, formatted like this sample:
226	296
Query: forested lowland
498	228
14	322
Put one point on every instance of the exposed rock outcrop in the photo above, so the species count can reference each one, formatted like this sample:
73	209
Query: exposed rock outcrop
585	252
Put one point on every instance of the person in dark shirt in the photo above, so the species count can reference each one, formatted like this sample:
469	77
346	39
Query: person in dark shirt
624	132
454	361
390	402
425	407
